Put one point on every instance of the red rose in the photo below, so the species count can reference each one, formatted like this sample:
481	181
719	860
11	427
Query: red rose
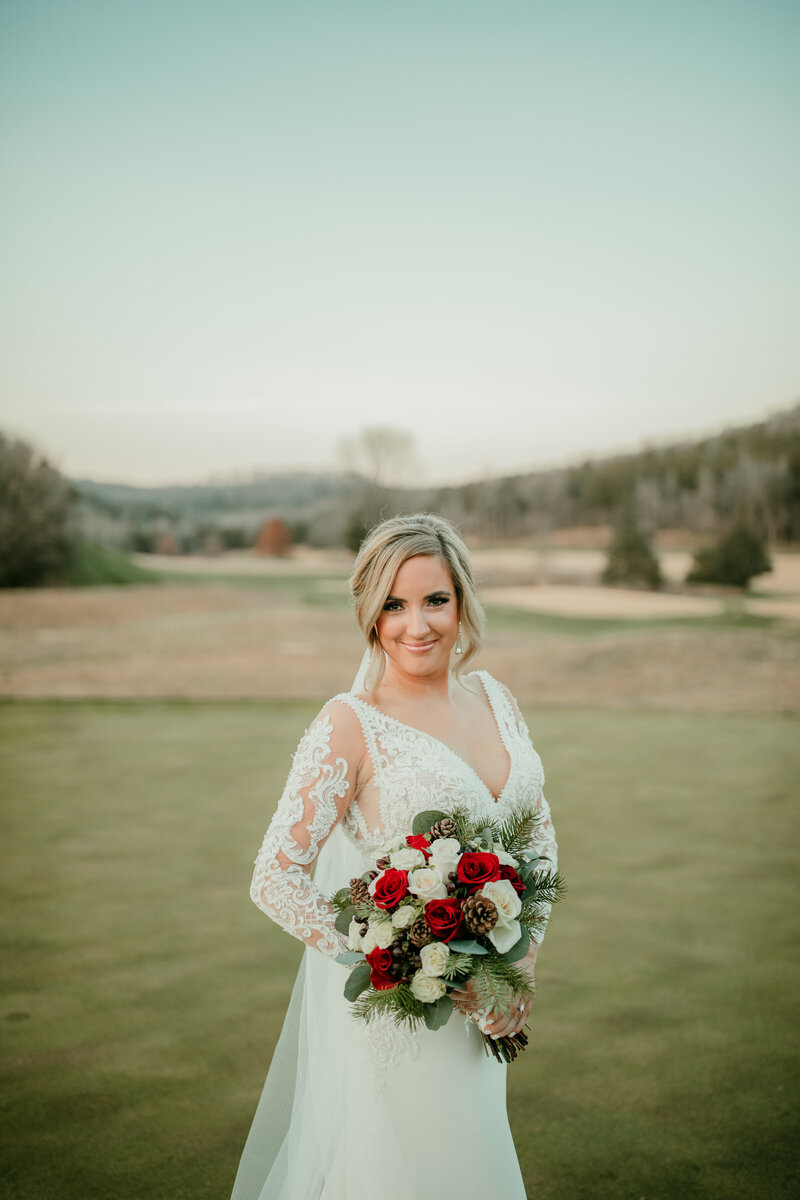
444	918
390	888
418	841
380	964
508	872
476	869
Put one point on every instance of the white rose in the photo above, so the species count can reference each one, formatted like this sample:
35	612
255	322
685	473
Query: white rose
506	859
427	989
407	859
504	898
368	942
382	932
434	958
445	853
354	935
427	883
403	916
505	935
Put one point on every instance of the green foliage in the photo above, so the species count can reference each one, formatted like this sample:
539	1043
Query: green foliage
92	565
423	821
400	1002
344	917
458	965
734	560
631	559
357	981
35	517
438	1013
497	980
341	899
516	830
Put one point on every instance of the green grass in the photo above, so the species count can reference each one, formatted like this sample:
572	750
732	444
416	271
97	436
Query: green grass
143	993
93	565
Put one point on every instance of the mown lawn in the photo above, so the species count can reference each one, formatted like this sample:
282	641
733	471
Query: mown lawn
142	992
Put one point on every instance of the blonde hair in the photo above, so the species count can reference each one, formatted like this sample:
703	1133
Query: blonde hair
382	554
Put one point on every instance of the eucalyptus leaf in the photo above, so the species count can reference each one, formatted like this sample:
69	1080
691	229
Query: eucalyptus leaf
467	946
520	948
344	918
350	956
357	982
438	1013
424	820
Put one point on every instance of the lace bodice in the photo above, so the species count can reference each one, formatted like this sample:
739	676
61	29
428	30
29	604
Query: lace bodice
411	771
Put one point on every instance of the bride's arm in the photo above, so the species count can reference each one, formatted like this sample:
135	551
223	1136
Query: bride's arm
320	787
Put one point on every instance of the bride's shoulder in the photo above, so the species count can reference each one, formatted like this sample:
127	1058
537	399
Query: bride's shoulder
483	681
340	723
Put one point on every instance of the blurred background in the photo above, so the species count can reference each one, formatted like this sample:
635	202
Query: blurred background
273	272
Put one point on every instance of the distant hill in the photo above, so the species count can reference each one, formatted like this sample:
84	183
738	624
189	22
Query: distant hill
749	472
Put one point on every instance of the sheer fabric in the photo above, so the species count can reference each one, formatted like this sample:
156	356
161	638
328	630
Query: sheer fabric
349	1109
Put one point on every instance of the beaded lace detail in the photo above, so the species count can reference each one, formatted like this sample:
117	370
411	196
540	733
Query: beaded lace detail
412	771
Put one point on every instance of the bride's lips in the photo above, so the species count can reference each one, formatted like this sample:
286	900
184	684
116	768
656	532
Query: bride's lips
419	647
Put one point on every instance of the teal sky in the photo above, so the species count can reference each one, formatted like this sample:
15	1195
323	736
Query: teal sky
233	233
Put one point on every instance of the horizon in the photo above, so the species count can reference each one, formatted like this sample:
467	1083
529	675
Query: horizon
243	476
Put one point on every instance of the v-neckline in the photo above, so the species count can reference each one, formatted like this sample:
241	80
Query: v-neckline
458	757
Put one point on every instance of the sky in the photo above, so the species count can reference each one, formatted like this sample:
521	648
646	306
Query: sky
233	234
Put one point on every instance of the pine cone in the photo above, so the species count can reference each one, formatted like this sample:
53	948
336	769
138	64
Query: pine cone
359	892
446	828
420	934
480	914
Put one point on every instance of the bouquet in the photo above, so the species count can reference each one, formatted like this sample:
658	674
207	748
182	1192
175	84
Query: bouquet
449	904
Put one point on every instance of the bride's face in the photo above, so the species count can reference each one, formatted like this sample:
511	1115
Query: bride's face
419	623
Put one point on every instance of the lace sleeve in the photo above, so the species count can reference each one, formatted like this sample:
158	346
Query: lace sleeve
543	839
317	794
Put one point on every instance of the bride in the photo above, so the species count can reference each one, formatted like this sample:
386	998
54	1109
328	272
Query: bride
352	1111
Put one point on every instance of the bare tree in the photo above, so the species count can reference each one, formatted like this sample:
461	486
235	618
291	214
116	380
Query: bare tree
383	455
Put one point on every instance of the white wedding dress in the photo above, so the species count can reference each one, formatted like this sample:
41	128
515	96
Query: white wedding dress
352	1111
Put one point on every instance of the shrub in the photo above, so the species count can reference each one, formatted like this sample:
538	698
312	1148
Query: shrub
35	511
734	560
631	558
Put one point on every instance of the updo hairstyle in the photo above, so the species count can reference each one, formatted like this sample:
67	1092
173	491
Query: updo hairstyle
384	550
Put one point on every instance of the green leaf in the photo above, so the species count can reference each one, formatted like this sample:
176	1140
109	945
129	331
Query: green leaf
357	982
423	821
344	918
438	1013
341	899
467	946
350	956
519	949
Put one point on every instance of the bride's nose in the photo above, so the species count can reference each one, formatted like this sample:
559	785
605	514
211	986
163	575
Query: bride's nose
417	622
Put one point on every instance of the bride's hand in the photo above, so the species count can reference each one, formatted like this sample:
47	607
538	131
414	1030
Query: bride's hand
464	999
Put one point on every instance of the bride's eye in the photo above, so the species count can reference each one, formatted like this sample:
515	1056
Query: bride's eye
438	601
392	606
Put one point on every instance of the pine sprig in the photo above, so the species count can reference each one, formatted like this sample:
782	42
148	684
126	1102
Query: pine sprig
545	887
400	1002
516	831
458	965
496	981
